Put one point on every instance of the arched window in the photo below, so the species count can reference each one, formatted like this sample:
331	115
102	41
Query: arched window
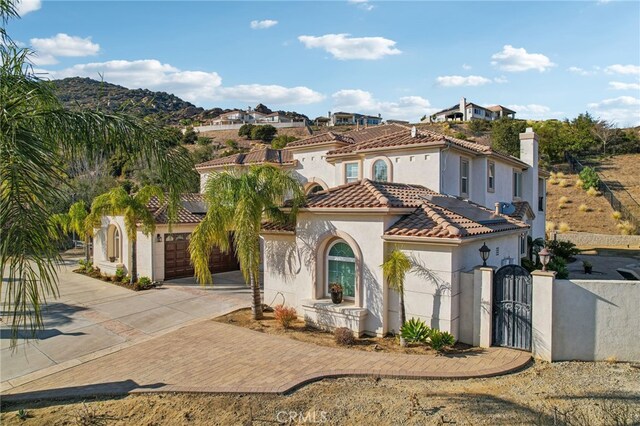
114	244
380	171
314	188
341	268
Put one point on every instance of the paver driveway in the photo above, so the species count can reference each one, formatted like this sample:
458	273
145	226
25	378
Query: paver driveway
92	318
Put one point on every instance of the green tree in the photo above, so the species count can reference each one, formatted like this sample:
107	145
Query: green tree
245	130
190	136
37	138
76	220
580	137
395	269
133	207
263	133
505	135
238	203
281	141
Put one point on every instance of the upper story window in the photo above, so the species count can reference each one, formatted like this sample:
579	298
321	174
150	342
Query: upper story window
464	178
351	172
517	184
541	194
380	171
491	177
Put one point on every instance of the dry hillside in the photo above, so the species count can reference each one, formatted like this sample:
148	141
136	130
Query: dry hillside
621	174
221	136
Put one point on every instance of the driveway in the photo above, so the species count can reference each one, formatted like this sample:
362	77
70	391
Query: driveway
92	318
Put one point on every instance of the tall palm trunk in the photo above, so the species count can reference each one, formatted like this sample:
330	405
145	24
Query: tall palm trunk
254	281
87	252
403	317
134	263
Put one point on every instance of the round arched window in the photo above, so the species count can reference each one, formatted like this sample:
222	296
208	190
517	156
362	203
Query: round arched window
380	171
315	188
341	268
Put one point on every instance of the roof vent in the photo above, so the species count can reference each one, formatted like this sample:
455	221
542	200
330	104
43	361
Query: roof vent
414	131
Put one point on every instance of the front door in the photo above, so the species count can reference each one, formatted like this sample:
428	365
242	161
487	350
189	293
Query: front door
512	294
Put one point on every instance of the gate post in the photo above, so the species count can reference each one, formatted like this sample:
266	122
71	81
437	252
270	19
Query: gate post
482	306
542	315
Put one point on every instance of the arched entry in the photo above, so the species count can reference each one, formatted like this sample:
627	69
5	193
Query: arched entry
512	294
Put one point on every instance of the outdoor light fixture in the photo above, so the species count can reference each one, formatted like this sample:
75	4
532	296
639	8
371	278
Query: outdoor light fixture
484	252
545	256
159	238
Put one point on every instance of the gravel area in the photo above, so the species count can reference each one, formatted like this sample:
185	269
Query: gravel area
567	393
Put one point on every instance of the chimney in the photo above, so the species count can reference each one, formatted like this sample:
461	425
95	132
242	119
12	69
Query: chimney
414	131
463	108
531	191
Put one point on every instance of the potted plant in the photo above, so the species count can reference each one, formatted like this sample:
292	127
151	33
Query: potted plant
588	267
335	290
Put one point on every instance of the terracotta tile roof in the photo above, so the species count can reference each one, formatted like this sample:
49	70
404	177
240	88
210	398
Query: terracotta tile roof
522	208
402	137
366	193
436	215
257	156
272	227
192	210
322	138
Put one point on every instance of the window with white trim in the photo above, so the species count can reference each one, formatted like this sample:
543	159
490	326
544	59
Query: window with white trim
114	244
464	178
341	268
491	177
351	172
517	184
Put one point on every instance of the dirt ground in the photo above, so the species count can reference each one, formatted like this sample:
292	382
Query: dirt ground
621	174
598	219
303	333
568	393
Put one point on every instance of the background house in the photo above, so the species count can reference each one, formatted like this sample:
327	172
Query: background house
467	111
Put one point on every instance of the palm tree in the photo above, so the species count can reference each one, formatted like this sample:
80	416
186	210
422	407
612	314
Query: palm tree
37	136
395	269
117	202
238	203
76	220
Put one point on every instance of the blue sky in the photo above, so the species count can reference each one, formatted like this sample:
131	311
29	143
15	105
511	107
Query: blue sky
400	59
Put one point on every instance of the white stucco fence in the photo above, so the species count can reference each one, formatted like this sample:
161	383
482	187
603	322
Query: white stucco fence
199	129
596	320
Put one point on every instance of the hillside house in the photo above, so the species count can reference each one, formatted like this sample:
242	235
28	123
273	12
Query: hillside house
467	111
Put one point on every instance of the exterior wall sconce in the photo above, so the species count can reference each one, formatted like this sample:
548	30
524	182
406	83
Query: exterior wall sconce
545	256
485	252
159	238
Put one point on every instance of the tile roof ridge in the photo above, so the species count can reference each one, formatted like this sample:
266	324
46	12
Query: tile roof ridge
375	191
440	220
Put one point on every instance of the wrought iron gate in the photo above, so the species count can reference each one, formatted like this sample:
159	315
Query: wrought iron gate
512	293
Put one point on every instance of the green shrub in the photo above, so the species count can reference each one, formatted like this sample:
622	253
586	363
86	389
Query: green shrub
559	265
245	130
203	140
562	249
441	339
589	178
344	337
264	133
86	266
120	274
528	264
415	331
460	135
143	283
281	141
285	315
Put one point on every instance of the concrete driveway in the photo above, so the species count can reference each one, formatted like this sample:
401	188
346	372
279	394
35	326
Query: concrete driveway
92	318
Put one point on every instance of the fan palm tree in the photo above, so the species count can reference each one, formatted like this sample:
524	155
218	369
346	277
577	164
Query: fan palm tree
117	202
37	136
238	203
395	269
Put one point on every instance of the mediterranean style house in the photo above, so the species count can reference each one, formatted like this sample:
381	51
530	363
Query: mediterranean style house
467	111
348	119
369	191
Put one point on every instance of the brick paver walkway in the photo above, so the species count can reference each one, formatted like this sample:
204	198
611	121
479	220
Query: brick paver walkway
215	357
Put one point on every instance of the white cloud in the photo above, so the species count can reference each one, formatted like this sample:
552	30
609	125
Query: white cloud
535	111
579	71
466	67
344	47
48	49
500	80
407	107
458	80
624	110
362	4
514	59
618	85
262	25
194	86
622	69
26	6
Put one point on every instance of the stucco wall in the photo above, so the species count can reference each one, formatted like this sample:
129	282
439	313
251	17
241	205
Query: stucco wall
312	165
596	320
158	247
100	258
586	239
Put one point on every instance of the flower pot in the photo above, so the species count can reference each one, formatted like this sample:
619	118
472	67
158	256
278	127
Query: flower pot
336	297
588	269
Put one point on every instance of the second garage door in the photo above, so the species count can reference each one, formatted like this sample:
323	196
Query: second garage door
177	263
